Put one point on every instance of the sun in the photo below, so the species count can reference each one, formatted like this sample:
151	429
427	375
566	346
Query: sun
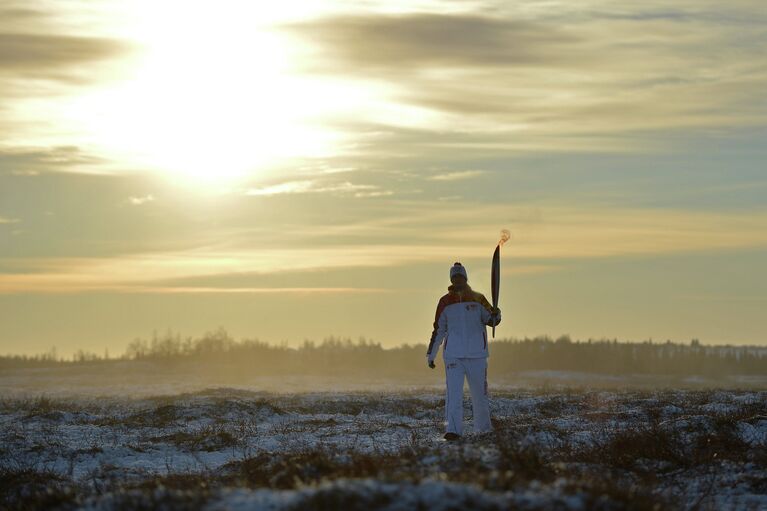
211	97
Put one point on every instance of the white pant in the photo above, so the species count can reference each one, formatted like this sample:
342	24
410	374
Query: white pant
475	370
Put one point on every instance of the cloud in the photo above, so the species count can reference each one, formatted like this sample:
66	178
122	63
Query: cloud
138	201
545	238
315	186
376	193
548	77
36	44
57	284
412	41
281	188
257	290
4	220
44	59
53	57
458	175
31	161
155	272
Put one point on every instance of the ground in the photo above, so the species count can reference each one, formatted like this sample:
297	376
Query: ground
226	448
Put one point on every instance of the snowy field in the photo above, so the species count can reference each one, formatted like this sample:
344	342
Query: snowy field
226	448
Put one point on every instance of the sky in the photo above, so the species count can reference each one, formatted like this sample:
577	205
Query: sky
304	169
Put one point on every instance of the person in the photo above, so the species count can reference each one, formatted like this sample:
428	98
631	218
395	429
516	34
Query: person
461	320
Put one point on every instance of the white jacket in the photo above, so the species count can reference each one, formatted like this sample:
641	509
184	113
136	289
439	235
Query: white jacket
461	321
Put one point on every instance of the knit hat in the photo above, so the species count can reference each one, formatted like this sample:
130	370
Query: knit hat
458	269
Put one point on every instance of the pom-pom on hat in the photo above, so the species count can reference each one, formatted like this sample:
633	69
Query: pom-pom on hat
458	269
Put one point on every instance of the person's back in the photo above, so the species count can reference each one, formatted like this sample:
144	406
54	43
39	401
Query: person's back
460	321
465	314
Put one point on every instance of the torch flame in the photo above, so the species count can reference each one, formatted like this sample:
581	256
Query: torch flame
505	236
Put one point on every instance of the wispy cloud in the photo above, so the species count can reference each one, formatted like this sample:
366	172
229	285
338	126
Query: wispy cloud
52	57
5	220
511	77
375	193
153	273
458	175
411	41
34	45
420	233
280	188
253	290
33	161
46	57
316	186
139	200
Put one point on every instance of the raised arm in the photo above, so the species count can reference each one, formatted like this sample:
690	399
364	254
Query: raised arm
490	317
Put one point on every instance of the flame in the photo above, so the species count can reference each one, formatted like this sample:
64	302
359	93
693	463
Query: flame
505	236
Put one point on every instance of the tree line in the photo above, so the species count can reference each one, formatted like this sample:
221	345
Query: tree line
217	350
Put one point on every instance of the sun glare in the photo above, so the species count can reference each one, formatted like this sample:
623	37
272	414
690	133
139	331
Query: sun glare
212	98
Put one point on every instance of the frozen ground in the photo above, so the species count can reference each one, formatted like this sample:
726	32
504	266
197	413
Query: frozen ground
225	448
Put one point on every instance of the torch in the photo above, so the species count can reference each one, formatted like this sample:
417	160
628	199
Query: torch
495	272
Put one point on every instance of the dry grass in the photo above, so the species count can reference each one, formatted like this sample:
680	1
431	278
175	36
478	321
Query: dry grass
636	450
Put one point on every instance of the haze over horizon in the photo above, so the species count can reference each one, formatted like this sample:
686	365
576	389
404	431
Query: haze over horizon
309	169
